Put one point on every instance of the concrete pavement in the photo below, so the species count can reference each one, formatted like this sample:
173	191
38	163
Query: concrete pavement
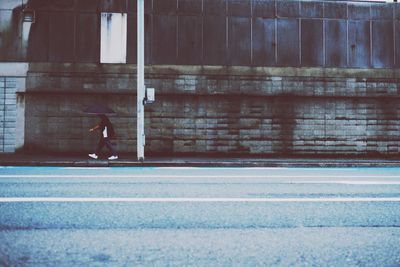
81	160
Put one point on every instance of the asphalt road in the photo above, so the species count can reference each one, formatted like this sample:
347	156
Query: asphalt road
199	217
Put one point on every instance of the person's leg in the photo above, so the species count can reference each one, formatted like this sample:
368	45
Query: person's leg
109	146
99	146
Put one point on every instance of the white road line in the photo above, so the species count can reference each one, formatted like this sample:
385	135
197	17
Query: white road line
379	177
166	200
351	180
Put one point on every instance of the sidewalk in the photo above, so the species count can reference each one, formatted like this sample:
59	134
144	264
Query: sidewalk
131	161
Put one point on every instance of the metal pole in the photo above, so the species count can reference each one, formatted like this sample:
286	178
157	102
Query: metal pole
140	80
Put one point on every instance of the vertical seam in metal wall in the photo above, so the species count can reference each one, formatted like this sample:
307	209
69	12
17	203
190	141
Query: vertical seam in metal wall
4	114
251	32
276	32
276	41
151	59
226	34
300	46
394	34
370	37
75	36
177	32
300	42
323	36
202	32
48	39
347	36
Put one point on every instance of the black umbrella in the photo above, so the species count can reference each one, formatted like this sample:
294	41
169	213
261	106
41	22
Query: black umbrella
99	109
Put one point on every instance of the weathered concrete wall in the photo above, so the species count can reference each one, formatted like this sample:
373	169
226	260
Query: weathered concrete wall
13	39
209	109
12	116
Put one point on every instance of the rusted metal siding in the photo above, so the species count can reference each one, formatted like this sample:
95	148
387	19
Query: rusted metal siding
164	39
61	37
382	44
239	41
264	9
336	43
215	49
288	9
213	32
38	48
89	30
312	9
190	41
397	43
336	10
312	48
264	42
288	42
359	47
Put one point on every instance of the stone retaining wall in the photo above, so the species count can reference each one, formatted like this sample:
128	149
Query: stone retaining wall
219	110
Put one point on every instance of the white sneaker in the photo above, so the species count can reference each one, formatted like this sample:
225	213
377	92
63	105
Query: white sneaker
113	157
93	156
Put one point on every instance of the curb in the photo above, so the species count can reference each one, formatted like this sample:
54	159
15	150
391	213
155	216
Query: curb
207	163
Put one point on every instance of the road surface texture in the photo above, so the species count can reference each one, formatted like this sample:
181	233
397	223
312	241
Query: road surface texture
199	216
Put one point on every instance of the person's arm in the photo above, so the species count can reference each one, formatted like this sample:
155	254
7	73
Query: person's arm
94	128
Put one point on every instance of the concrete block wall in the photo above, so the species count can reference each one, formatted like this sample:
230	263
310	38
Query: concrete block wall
218	110
12	80
56	122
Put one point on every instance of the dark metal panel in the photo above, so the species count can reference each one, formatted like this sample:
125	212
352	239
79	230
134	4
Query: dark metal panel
334	10
239	41
381	11
38	47
51	4
61	42
131	52
264	42
359	44
132	6
397	42
190	7
311	9
265	9
382	44
164	42
396	11
165	7
190	40
63	4
88	5
131	39
117	6
288	42
312	42
240	8
289	9
359	10
214	34
88	38
39	4
336	43
214	7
